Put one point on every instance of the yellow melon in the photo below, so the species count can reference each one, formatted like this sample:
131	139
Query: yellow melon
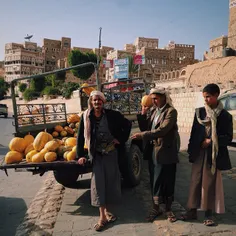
29	139
146	101
40	140
13	157
71	156
65	155
50	156
71	142
63	133
44	151
74	149
50	137
38	158
17	144
52	145
29	148
30	155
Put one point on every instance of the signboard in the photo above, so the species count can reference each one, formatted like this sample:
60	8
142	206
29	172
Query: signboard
139	60
108	63
232	4
121	68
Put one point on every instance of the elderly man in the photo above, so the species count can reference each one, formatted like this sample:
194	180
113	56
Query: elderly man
103	131
160	140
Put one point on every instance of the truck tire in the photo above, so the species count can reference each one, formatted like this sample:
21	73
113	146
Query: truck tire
133	170
67	178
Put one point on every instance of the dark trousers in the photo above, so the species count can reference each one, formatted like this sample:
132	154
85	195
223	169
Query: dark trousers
162	180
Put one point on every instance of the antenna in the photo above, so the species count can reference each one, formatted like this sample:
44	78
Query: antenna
28	37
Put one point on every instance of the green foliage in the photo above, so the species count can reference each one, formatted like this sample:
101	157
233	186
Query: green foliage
50	80
68	88
49	90
61	76
22	87
133	68
38	84
76	57
4	87
55	80
29	94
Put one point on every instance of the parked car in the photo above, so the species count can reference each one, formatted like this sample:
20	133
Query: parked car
4	110
229	102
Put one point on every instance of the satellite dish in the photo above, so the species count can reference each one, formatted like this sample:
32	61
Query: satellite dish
28	37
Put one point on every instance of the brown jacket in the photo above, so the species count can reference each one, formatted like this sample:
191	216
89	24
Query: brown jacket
164	137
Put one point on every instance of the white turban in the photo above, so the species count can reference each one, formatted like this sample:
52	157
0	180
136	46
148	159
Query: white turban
163	91
87	125
98	93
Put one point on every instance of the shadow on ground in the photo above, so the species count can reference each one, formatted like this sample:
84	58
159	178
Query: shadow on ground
12	212
183	182
136	202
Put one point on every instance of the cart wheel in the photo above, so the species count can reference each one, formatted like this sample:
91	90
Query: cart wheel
67	178
132	175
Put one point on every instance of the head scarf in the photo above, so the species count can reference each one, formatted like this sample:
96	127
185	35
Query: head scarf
87	125
95	93
163	91
212	115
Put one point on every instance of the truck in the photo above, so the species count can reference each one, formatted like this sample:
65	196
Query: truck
3	110
34	118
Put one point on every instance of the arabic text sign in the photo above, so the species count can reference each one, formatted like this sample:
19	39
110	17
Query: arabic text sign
121	68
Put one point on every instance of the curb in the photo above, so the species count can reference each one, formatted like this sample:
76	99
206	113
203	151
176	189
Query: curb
42	213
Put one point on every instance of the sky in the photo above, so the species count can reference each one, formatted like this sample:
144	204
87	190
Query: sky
183	21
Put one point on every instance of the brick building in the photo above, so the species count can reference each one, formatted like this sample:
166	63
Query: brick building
22	60
218	45
2	71
216	48
56	52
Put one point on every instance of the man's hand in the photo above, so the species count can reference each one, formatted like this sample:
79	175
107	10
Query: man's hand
144	110
136	136
115	141
82	161
206	143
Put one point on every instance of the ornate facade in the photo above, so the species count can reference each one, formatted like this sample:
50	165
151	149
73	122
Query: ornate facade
56	52
22	60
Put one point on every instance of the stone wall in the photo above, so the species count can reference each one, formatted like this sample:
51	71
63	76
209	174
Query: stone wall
185	103
186	100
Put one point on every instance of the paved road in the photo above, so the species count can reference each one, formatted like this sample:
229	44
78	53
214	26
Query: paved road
77	217
7	130
17	190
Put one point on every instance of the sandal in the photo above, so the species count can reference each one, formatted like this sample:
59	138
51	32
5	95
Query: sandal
110	217
171	216
189	215
209	222
153	215
100	225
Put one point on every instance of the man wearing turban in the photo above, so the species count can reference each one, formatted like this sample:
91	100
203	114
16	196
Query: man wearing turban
159	133
103	131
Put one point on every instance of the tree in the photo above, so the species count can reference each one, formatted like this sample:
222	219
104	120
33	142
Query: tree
77	57
22	87
61	76
4	87
29	94
68	88
51	80
37	84
133	68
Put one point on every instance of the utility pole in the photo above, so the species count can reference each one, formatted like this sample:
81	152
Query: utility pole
98	60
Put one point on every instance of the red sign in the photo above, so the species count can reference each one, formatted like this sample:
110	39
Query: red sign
138	60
